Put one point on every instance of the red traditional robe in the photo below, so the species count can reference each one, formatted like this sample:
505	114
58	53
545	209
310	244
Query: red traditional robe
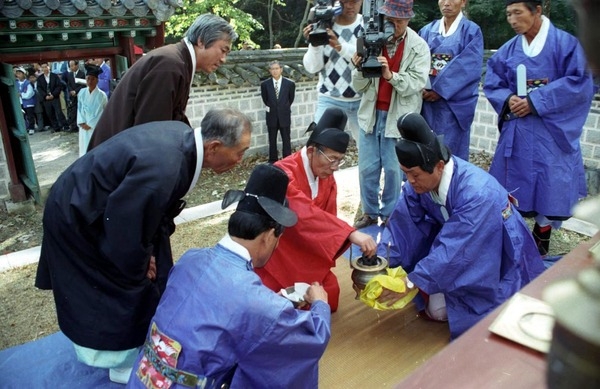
307	251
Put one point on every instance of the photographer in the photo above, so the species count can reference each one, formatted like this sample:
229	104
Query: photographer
405	65
332	62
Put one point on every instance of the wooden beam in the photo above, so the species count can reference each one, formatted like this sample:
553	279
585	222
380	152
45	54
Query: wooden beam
16	58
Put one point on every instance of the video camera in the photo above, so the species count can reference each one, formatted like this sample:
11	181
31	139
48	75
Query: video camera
376	33
321	18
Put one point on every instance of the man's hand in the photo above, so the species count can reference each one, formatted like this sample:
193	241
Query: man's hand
315	292
333	40
519	106
151	274
390	297
430	96
386	73
307	31
364	241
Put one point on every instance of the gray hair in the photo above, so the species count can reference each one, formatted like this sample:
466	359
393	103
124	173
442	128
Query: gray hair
209	28
274	62
226	125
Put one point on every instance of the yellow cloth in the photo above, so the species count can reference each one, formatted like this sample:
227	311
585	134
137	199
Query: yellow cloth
394	280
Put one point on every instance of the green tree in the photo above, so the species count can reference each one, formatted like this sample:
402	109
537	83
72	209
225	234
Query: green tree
244	23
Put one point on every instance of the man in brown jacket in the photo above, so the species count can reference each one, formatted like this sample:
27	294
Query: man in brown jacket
157	86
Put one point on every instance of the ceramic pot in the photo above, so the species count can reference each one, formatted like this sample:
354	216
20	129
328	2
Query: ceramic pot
364	270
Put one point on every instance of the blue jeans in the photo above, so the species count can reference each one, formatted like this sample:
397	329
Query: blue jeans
350	107
377	153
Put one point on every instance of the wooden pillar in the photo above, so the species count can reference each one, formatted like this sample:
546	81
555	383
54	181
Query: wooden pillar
16	189
126	43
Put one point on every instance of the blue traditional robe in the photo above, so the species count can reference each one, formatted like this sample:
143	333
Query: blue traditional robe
475	249
90	106
455	74
538	157
220	314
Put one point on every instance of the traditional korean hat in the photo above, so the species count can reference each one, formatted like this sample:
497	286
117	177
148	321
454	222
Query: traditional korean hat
329	132
419	145
93	70
264	195
537	2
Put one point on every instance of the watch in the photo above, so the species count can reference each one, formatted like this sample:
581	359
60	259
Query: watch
409	284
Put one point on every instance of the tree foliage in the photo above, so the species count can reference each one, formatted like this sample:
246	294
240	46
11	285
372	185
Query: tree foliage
283	20
243	22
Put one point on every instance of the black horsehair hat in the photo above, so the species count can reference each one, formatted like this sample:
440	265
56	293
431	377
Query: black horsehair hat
329	132
419	145
264	195
93	70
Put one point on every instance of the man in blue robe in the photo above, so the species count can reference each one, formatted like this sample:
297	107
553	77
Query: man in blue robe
540	117
454	230
450	96
218	324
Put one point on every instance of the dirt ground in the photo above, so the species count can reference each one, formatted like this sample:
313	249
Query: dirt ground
29	314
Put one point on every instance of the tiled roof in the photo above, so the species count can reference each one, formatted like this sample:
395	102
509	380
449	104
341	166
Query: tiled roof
252	67
161	9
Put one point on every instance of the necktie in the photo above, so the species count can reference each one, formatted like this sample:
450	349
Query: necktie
277	90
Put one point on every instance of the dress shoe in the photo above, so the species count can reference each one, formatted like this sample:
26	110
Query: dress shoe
364	221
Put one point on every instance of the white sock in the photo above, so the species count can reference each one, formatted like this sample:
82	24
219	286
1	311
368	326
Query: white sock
120	375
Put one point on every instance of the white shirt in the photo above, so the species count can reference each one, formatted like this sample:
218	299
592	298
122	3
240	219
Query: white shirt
313	181
193	55
199	157
440	196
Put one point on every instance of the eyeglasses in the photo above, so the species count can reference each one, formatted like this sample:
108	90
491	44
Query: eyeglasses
332	162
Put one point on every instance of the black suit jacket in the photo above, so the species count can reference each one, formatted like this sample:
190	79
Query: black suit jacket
71	84
54	88
279	109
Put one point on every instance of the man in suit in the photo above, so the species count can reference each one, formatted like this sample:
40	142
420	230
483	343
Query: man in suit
39	105
157	87
278	95
118	203
73	87
49	87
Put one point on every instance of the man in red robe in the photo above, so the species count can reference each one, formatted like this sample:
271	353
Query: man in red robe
307	251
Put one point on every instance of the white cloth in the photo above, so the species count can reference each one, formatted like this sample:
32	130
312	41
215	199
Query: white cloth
537	44
453	26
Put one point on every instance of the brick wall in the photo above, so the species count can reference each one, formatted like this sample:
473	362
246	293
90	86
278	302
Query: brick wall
248	100
484	133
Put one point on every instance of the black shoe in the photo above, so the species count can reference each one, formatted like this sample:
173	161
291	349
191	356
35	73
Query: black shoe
364	221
